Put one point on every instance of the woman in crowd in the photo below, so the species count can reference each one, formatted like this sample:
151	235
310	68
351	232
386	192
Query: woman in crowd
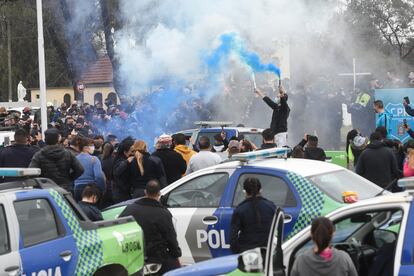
322	259
143	168
107	159
355	144
92	168
251	220
409	163
121	188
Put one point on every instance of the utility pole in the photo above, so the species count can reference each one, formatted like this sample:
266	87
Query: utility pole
42	74
8	26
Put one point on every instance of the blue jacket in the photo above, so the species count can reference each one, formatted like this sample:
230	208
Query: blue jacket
92	171
383	119
250	228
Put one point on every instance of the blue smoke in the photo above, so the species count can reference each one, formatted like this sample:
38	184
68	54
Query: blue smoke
232	44
171	109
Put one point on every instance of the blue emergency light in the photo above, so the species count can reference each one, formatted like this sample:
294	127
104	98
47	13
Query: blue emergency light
19	172
261	154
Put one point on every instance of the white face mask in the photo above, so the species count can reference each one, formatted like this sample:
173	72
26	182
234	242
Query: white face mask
218	148
91	149
277	100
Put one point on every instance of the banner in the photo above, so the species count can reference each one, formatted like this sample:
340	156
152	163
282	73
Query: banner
393	103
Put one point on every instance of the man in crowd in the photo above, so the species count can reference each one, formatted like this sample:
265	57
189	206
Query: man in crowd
312	151
268	139
20	153
384	117
161	245
280	115
90	197
173	162
378	163
180	147
56	162
203	159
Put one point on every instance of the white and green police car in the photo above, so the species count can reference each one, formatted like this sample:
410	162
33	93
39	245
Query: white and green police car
377	233
202	203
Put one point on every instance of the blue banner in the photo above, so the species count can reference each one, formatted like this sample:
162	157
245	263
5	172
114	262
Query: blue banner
393	103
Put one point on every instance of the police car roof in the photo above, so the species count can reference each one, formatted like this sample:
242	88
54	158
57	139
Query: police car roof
239	129
302	167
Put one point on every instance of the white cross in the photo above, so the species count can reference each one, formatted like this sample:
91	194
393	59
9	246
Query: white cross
354	74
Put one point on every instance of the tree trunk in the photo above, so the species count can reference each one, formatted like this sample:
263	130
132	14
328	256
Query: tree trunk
111	20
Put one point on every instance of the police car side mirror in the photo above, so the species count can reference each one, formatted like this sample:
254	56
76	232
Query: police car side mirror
251	261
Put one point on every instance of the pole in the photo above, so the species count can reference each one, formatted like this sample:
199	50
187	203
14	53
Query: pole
9	59
42	75
354	71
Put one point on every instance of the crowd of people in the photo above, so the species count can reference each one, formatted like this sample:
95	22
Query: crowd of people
100	170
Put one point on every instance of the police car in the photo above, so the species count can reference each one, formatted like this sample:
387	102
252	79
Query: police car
44	233
212	128
202	203
377	234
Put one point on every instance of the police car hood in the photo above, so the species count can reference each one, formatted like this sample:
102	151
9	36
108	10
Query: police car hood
215	266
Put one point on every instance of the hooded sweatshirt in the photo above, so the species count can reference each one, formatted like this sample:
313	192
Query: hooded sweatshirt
185	152
378	164
312	264
58	164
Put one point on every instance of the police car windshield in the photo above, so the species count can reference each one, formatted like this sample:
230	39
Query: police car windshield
253	137
337	182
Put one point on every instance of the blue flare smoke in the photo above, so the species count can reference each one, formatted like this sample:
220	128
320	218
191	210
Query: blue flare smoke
230	43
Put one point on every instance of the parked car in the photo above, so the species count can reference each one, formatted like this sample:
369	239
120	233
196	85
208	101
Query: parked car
44	232
376	233
202	203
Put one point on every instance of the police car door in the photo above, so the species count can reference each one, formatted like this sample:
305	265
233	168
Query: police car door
273	263
45	249
275	187
195	206
9	254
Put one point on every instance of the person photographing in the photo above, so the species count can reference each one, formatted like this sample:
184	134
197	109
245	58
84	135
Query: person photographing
280	115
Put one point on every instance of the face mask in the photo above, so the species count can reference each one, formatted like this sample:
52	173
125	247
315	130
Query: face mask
218	148
91	149
277	100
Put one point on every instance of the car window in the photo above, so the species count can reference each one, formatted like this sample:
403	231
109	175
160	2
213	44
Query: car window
274	189
253	137
4	233
36	220
210	136
203	191
337	182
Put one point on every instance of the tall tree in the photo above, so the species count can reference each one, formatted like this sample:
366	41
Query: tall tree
394	19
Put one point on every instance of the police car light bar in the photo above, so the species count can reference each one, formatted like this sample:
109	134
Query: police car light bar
407	183
213	123
261	154
19	172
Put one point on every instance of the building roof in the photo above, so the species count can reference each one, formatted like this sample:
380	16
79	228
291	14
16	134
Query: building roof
100	72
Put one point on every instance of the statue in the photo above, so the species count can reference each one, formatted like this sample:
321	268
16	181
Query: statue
21	92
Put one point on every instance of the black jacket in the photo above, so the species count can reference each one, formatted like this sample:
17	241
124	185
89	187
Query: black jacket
152	170
378	164
121	187
280	114
159	233
91	211
409	110
57	164
267	146
247	230
174	164
313	153
17	156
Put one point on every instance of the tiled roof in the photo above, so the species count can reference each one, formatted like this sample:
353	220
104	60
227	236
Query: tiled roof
100	72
